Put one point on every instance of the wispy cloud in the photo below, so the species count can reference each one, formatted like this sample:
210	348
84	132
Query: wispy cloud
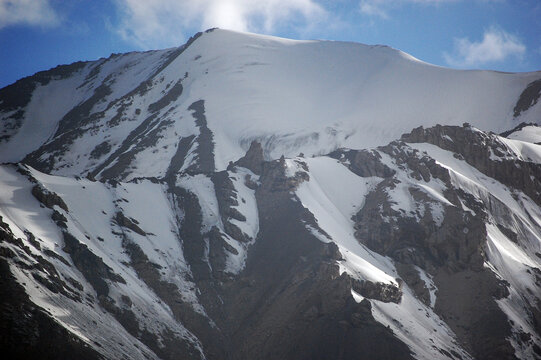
497	45
374	8
27	12
382	8
153	23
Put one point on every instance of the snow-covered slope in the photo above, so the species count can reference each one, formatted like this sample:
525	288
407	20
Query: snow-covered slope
251	197
89	213
291	96
526	132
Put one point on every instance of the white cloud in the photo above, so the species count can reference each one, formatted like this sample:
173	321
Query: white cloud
157	23
27	12
497	45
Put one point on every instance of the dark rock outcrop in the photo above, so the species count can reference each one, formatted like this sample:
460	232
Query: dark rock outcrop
205	143
227	200
377	291
452	251
15	97
48	198
291	302
128	223
364	163
27	331
478	149
91	266
528	97
253	160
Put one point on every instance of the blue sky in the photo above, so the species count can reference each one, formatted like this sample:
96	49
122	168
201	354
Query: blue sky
502	35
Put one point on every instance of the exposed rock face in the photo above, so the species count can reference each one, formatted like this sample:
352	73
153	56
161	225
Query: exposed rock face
275	179
486	153
205	145
92	267
253	160
445	245
291	299
27	330
474	315
131	224
377	291
282	303
227	200
15	97
528	98
48	198
173	346
364	163
453	250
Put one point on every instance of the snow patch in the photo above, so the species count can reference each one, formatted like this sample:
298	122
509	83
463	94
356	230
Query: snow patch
333	194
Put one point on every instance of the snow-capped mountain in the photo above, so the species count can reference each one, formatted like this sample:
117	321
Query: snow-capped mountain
251	197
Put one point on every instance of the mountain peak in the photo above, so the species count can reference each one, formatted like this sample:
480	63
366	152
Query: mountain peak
281	93
245	196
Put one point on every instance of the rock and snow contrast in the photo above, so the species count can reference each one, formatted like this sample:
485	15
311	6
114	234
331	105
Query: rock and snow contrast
251	197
